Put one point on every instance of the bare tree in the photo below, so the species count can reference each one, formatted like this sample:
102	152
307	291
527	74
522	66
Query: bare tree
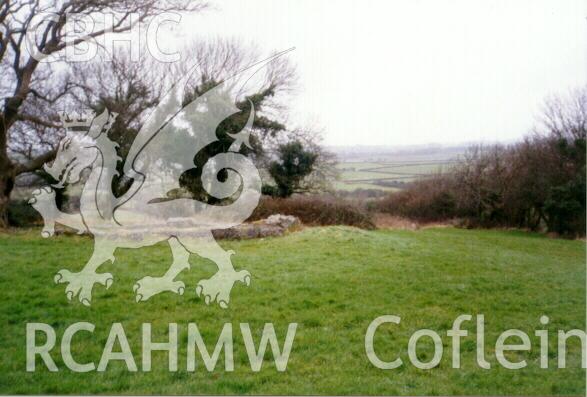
29	87
565	117
538	183
269	88
132	89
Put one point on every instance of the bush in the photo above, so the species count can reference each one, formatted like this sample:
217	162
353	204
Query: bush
564	205
270	190
315	210
537	184
21	214
427	200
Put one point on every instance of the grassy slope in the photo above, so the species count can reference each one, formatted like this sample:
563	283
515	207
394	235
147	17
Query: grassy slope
333	282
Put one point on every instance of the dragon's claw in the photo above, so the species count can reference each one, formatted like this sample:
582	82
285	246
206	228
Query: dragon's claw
43	195
81	284
218	287
43	200
149	286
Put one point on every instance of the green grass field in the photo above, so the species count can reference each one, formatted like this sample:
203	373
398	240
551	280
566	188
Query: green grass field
333	282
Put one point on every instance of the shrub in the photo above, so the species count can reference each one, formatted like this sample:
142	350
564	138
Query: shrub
428	200
295	162
315	210
21	214
537	184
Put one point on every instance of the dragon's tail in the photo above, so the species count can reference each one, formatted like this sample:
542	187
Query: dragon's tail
242	175
243	181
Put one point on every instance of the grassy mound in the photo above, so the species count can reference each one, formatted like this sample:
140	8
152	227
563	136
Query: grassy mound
333	281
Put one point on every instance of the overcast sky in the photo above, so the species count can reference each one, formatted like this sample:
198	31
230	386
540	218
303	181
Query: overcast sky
415	72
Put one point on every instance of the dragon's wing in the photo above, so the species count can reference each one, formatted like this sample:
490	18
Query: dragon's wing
167	108
172	136
160	155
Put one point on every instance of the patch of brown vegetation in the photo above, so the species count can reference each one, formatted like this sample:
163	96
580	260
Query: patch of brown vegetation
387	221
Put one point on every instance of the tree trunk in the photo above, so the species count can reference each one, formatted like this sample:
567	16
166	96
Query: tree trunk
7	174
6	186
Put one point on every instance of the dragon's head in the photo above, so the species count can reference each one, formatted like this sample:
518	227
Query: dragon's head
78	150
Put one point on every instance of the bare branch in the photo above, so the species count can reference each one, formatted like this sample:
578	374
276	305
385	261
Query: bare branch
36	163
37	120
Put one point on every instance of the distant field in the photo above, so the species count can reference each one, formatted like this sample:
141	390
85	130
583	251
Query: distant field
390	168
384	175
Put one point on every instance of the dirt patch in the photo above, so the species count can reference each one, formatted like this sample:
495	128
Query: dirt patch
386	221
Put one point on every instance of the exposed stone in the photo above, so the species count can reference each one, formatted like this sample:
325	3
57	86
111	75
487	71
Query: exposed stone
275	225
284	221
